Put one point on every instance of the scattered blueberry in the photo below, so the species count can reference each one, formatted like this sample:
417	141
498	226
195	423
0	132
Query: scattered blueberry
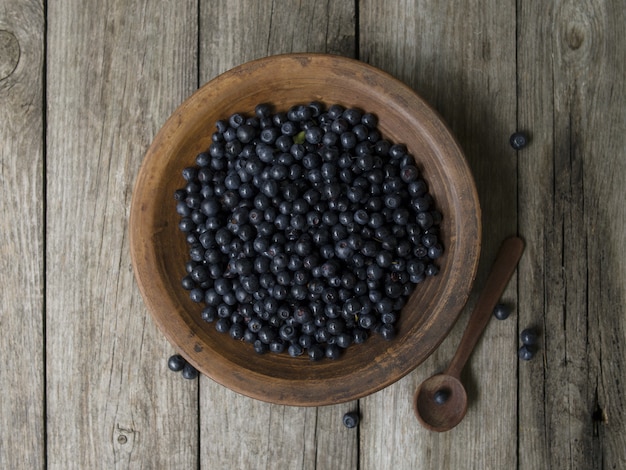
501	311
176	363
189	372
351	419
441	396
526	352
529	337
518	140
307	230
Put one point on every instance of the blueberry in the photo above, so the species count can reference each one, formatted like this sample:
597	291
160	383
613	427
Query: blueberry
367	321
236	120
287	332
441	396
176	363
384	259
236	331
501	311
529	336
189	372
435	251
369	120
295	350
351	420
518	140
332	351
387	331
196	295
260	347
209	313
335	111
316	352
222	325
263	110
277	346
431	270
245	133
359	335
526	352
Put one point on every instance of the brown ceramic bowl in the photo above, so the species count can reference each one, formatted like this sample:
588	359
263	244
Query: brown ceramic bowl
159	251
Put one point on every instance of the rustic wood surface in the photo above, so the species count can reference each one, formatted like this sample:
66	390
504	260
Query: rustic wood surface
85	86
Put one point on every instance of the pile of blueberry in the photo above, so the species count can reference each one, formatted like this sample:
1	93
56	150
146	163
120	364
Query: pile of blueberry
307	230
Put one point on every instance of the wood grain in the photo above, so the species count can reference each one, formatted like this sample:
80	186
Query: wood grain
235	32
462	60
231	33
22	402
572	287
116	70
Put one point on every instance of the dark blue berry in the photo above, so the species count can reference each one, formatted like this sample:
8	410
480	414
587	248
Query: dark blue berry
295	350
526	352
387	331
176	363
316	352
350	420
332	351
501	311
260	347
518	140
263	110
277	346
441	396
189	372
529	336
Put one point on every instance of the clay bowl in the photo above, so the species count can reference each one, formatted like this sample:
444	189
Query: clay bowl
159	251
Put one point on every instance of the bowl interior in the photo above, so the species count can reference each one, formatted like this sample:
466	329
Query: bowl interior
159	250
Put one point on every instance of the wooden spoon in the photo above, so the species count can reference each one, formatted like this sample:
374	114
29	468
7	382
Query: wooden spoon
440	402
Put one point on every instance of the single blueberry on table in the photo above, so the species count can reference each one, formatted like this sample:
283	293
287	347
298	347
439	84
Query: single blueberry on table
351	419
518	140
501	311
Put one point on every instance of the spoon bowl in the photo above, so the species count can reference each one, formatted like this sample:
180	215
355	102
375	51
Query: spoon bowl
444	411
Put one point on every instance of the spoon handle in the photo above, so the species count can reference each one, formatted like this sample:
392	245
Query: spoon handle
503	267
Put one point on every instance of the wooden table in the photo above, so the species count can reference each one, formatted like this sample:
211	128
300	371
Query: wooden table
85	86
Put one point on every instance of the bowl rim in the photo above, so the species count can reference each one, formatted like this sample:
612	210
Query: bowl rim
247	382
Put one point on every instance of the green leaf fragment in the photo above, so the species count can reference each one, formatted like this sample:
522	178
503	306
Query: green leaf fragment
299	138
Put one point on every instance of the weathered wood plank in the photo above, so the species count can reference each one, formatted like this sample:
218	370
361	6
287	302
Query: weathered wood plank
22	409
572	99
461	59
238	432
232	33
116	70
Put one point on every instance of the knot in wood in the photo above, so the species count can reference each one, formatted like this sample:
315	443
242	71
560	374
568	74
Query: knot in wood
574	36
9	53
